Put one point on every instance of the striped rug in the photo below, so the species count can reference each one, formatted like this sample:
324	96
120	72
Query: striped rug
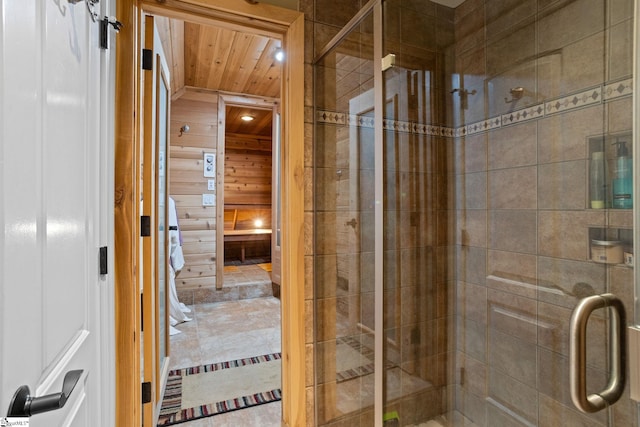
174	410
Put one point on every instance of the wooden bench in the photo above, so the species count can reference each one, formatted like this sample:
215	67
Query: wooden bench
244	236
239	225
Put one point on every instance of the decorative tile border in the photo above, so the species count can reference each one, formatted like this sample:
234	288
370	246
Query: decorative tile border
529	113
584	98
581	99
617	89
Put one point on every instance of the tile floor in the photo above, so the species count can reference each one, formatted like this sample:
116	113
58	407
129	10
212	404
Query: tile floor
230	330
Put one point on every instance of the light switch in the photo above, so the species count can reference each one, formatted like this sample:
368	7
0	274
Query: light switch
209	164
208	200
211	184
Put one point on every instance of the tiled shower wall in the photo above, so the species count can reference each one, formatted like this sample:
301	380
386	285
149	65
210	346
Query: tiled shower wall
519	188
522	201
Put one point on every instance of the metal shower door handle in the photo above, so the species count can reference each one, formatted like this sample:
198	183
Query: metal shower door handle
578	353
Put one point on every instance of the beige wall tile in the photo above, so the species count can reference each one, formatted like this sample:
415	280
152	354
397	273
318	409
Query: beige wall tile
619	117
562	185
583	64
555	401
553	329
512	49
563	137
512	272
472	338
507	15
563	282
472	191
471	22
472	265
513	230
620	52
512	356
619	10
471	227
515	188
472	302
519	397
512	314
574	21
513	146
471	153
564	234
335	12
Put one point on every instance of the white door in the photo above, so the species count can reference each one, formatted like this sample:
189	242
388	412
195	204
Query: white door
54	210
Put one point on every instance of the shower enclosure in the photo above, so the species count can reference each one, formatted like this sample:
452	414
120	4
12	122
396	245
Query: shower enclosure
460	244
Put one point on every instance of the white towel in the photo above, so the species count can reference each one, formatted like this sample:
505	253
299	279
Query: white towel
175	246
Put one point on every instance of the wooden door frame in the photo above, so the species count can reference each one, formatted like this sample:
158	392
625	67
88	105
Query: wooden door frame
226	99
262	19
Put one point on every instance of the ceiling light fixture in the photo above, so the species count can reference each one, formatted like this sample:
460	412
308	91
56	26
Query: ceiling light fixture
247	117
279	55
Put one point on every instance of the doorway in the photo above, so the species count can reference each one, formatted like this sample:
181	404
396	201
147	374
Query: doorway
266	20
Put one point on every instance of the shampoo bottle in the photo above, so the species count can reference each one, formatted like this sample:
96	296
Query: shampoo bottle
622	178
597	180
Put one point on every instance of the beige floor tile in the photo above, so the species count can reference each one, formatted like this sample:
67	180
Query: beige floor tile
230	330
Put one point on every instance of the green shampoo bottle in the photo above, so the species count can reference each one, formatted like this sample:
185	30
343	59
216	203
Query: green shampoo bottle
622	178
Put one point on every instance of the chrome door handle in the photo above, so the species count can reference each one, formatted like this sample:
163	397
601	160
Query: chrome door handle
578	353
24	405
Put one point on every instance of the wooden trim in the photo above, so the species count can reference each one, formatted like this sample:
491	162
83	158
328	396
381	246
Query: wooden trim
126	220
149	201
258	19
292	209
222	114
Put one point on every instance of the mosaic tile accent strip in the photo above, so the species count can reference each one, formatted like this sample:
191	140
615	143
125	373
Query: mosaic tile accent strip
485	125
524	114
461	131
581	99
584	98
331	117
617	89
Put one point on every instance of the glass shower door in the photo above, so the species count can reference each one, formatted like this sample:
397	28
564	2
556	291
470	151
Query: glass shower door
484	134
344	203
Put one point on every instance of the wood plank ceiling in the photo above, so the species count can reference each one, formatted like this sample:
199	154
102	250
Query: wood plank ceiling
219	59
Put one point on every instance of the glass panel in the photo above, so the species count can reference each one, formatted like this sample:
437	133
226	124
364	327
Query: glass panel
507	200
344	242
417	319
163	112
492	139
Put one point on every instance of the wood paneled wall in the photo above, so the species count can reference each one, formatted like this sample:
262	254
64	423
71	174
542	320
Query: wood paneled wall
247	170
247	187
187	185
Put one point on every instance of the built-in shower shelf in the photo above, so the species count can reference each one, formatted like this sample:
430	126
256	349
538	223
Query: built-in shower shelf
611	246
602	173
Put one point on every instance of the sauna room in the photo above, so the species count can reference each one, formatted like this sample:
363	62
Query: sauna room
221	158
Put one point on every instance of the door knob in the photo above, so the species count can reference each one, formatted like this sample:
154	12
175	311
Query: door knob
24	405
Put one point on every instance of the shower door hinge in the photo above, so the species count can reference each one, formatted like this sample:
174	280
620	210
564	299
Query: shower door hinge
146	392
388	61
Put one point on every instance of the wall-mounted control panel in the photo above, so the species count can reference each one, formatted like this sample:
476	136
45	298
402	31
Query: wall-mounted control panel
209	164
